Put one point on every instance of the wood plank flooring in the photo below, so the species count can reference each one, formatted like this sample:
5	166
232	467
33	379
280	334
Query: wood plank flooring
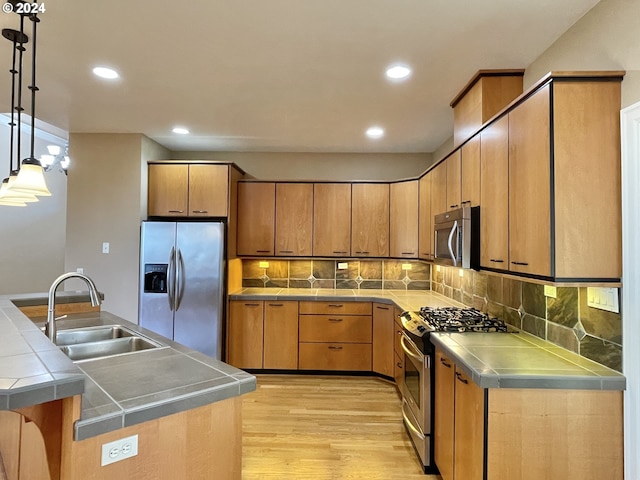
326	427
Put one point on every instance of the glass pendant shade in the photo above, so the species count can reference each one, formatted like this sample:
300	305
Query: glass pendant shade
7	194
31	179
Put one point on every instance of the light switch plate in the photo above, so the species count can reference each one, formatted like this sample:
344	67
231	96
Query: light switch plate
604	298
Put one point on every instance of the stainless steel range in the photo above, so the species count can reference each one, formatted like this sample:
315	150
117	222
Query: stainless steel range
419	380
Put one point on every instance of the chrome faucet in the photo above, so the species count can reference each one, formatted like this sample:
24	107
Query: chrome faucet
51	310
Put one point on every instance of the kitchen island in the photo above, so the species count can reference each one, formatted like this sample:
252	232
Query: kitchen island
184	407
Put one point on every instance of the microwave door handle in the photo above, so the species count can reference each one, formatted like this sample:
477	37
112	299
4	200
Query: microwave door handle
450	243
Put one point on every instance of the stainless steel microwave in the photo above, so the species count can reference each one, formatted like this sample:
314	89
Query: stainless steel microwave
457	237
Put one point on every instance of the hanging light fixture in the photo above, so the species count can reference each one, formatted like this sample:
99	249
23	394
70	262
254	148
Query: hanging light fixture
26	181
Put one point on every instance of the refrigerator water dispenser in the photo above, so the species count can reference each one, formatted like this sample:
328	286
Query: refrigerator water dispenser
155	277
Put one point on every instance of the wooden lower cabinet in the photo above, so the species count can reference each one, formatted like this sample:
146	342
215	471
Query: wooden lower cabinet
22	449
280	349
245	334
383	359
335	356
398	368
528	434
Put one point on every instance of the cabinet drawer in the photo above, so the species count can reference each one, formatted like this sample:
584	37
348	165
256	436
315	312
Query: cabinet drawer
335	356
329	308
335	328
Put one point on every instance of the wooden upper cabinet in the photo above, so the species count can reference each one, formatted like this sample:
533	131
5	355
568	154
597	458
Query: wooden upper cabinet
208	190
294	219
453	165
439	189
494	195
256	218
168	192
530	185
403	219
470	173
425	218
370	219
188	190
331	219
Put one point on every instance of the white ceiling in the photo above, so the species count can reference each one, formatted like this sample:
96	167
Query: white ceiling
277	75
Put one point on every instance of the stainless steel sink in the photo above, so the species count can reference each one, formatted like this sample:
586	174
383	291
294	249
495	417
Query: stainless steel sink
92	334
107	348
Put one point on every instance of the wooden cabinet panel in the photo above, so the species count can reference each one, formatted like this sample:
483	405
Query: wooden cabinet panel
494	195
470	172
256	218
453	165
469	429
335	328
208	190
383	360
335	356
168	191
370	219
245	334
294	219
280	335
330	308
530	186
425	219
444	415
403	219
439	190
331	219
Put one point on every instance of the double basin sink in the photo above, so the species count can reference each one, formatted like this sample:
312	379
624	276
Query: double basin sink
101	341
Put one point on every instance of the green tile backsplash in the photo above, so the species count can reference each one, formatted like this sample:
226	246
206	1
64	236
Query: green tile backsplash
359	274
565	321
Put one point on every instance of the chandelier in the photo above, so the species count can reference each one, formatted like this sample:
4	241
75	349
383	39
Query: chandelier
25	182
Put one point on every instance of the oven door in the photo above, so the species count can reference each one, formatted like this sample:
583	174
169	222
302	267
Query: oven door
416	385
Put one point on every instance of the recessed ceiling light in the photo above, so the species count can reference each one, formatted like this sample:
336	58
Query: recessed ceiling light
105	72
181	130
375	132
398	72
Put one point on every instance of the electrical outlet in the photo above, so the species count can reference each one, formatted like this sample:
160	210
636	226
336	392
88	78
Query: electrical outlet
603	298
105	247
343	265
79	270
264	264
550	291
119	450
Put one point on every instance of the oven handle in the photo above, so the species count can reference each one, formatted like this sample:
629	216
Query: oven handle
419	358
408	423
450	243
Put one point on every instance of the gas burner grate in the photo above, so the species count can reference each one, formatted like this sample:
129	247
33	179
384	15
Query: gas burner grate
452	319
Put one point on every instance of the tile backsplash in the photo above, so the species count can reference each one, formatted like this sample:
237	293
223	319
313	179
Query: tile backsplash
359	274
565	321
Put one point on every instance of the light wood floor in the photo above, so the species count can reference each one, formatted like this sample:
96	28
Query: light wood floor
325	427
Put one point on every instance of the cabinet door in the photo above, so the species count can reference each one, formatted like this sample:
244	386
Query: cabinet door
453	180
383	345
494	195
469	429
256	218
529	186
398	373
331	219
245	334
425	219
444	415
470	175
438	190
168	190
403	219
208	190
294	219
370	219
280	335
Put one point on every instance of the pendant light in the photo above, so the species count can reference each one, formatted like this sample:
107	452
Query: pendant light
30	178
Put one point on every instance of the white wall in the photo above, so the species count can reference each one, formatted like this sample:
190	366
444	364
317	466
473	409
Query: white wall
320	166
32	238
106	203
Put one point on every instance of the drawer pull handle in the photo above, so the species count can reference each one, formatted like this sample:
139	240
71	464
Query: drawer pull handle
459	377
176	211
407	253
335	319
276	305
453	206
398	332
333	347
286	251
263	251
362	253
251	304
399	365
444	362
520	263
335	305
496	260
342	253
382	308
200	211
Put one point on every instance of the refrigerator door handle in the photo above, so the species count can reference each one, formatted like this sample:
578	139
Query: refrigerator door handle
179	281
171	283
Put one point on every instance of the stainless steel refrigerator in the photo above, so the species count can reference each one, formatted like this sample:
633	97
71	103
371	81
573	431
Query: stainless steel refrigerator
182	282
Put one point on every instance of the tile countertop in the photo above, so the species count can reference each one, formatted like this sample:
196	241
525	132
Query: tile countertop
157	382
491	360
